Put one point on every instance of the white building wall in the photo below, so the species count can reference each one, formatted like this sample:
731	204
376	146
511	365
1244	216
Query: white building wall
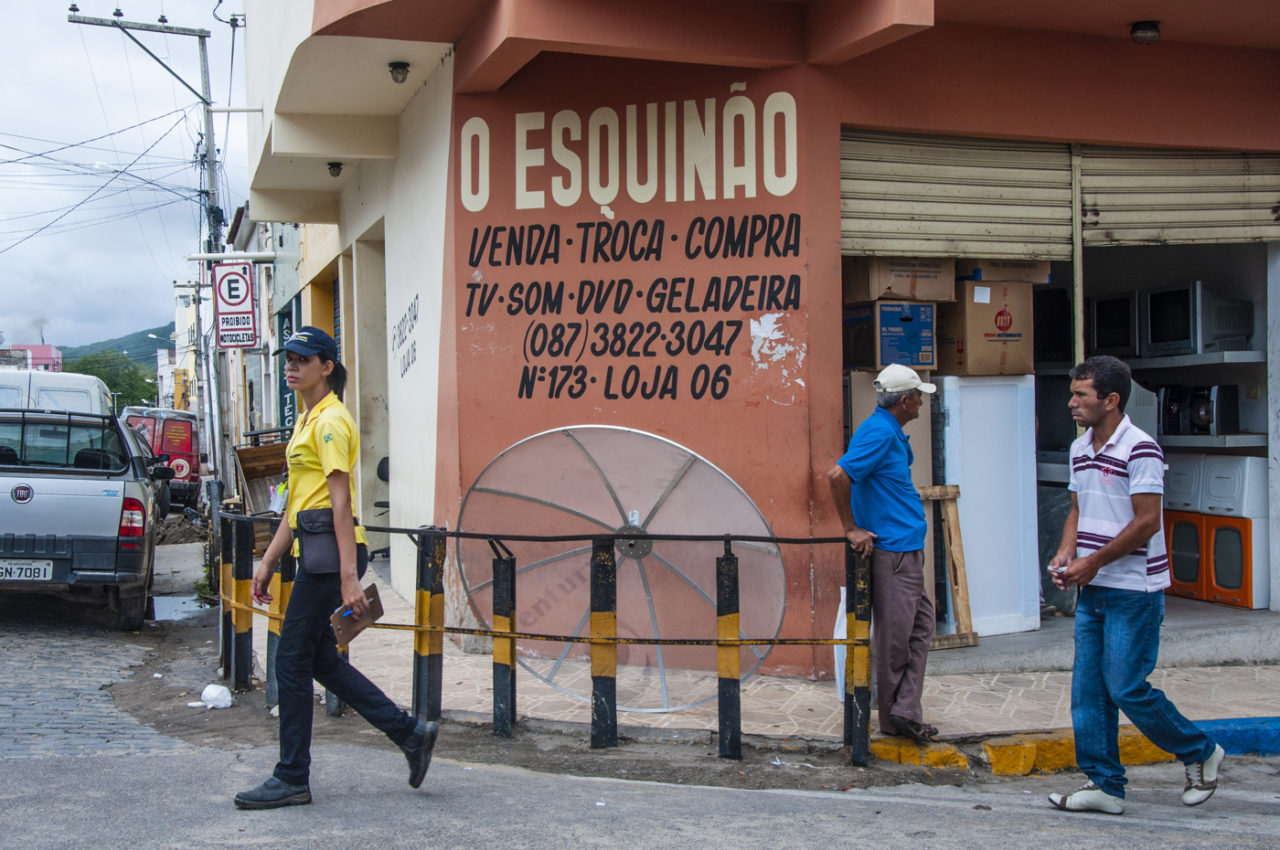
409	194
284	24
415	246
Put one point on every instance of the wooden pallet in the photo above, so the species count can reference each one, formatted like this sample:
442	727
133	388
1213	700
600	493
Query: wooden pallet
259	469
946	495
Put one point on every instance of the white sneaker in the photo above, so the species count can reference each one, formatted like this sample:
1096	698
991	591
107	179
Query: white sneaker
1088	798
1202	778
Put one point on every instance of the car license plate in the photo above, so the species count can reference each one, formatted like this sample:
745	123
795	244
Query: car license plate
25	570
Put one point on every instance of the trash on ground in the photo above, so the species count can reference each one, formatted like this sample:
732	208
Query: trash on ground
216	696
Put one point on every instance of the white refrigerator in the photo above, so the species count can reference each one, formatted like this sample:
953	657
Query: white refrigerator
988	450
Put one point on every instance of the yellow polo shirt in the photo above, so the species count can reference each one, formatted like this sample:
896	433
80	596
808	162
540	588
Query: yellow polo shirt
325	441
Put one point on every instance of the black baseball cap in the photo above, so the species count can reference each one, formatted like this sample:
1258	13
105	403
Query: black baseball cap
308	341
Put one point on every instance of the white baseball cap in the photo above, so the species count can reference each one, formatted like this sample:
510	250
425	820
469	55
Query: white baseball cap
896	378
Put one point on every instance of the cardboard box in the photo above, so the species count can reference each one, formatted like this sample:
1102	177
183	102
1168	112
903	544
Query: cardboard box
902	278
883	332
1001	271
987	331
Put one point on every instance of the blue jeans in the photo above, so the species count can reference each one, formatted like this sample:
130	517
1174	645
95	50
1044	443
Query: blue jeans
309	650
1117	641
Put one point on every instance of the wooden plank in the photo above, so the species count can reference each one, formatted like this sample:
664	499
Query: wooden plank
261	461
947	494
955	561
954	641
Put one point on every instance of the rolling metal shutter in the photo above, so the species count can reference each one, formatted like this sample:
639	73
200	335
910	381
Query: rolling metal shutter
1132	196
936	196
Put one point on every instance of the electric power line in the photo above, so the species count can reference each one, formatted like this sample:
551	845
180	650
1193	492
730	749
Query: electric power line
110	180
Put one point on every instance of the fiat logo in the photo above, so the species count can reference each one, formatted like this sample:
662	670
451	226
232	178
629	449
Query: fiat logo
22	493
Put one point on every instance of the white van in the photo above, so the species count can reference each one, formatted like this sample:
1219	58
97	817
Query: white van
33	389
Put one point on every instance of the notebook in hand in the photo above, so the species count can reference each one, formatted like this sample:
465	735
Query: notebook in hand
346	625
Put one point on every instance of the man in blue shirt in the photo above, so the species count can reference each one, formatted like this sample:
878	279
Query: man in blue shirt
883	519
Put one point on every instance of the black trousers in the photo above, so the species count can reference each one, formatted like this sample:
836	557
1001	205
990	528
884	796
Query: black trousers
307	651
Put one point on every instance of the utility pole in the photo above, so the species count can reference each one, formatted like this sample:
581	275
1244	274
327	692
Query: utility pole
213	212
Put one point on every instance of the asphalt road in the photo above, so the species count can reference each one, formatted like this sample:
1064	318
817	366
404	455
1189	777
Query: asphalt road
183	799
77	770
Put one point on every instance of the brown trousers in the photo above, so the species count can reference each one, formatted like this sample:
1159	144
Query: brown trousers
903	617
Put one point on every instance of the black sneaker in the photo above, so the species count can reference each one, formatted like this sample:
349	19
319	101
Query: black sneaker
418	750
273	794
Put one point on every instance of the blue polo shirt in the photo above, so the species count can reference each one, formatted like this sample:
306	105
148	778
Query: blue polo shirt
884	500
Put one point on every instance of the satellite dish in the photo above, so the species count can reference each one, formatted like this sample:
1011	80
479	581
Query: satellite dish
605	480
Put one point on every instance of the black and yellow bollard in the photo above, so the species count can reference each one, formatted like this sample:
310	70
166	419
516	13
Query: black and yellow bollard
857	662
729	658
242	647
604	656
504	649
226	591
428	646
281	588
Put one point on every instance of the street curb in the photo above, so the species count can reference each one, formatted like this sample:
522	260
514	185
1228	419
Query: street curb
1047	752
1008	754
906	751
1245	736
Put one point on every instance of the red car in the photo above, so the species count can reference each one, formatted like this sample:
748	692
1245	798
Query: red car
172	433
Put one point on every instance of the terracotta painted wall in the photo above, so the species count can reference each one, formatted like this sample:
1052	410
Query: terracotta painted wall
530	352
626	305
969	80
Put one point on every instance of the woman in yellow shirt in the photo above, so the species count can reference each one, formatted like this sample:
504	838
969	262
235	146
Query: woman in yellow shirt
321	454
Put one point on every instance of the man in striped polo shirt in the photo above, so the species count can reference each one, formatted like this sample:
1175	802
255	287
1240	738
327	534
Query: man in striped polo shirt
1113	547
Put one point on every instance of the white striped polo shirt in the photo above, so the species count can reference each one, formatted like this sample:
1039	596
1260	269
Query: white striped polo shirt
1131	462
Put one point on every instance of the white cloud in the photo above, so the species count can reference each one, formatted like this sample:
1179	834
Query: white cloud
66	83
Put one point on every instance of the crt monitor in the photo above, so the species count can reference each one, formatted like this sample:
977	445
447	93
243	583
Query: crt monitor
1113	325
1193	319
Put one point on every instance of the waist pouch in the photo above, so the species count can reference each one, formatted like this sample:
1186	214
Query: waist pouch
318	544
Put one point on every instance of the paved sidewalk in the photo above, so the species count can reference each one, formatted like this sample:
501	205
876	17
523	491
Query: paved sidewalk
964	706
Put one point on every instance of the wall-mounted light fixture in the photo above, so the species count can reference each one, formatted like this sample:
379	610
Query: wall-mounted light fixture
335	169
399	71
1145	32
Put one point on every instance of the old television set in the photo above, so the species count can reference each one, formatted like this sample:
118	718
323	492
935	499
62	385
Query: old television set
1184	541
1218	553
1113	324
1236	570
1193	319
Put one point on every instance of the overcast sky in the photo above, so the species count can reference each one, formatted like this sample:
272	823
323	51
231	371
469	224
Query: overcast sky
115	231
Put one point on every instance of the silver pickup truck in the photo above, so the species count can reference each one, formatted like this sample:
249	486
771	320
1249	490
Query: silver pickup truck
79	503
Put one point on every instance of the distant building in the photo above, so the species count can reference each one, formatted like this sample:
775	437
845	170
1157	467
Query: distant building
45	358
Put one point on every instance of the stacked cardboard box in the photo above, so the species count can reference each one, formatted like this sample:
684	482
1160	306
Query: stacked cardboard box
890	307
988	330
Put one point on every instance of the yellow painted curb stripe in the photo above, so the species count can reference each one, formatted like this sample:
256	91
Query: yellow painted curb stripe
904	751
1048	752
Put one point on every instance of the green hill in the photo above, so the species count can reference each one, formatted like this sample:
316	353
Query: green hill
137	346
